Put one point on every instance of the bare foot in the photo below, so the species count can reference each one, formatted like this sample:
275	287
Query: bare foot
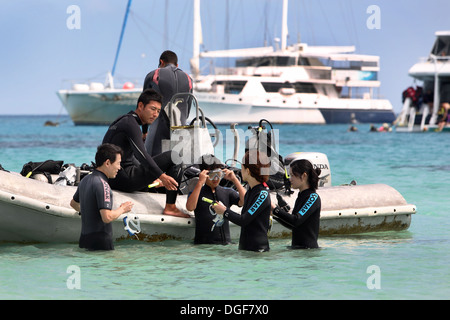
172	210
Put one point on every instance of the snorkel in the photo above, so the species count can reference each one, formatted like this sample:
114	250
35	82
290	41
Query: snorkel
218	218
134	222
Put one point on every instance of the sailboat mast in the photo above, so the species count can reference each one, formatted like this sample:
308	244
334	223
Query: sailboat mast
197	40
121	36
284	26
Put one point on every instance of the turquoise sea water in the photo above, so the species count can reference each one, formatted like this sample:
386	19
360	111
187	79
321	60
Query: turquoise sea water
412	264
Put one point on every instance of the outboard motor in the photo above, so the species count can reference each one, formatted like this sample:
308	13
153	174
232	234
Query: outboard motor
319	160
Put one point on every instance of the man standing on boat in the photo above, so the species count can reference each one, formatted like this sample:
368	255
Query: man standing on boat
94	200
139	169
167	80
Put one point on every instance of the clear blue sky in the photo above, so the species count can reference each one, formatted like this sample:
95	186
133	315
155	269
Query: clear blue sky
38	52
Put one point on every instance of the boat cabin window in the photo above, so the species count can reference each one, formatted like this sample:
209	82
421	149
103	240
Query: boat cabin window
300	87
284	61
280	61
311	61
232	87
353	65
441	47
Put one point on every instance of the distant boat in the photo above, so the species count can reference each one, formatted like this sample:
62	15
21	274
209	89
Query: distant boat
292	84
97	103
421	104
288	84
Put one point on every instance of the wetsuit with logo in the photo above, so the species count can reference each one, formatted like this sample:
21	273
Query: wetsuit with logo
204	218
139	169
167	81
254	219
304	220
94	194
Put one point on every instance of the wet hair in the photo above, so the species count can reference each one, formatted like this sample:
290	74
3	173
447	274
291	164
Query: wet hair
107	151
298	167
258	164
169	57
149	95
209	162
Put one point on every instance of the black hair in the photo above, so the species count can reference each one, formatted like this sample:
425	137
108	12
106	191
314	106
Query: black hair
149	95
259	167
298	167
209	162
107	151
169	57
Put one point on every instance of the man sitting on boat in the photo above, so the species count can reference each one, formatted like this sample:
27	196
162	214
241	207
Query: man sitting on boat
167	80
139	168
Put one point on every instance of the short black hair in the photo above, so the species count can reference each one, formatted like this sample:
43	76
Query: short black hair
210	162
107	151
169	57
149	95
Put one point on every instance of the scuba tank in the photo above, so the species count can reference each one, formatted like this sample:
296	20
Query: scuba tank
265	140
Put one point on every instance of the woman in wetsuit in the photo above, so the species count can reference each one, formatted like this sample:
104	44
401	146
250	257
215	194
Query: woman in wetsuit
255	213
305	218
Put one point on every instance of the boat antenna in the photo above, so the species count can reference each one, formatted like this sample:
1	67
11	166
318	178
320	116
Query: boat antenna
121	36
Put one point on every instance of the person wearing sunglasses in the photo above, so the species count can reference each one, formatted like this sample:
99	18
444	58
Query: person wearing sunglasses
209	229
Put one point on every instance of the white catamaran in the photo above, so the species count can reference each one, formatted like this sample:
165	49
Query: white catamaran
288	84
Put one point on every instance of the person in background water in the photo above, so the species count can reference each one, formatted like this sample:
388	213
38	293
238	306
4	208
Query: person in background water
139	168
305	218
206	230
167	80
255	214
94	200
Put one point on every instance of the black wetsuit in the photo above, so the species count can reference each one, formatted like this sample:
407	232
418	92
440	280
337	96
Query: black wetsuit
304	220
167	81
254	219
94	194
139	169
204	219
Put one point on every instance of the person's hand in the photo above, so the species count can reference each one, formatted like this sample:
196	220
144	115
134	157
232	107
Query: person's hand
203	176
219	208
157	183
127	206
170	183
229	175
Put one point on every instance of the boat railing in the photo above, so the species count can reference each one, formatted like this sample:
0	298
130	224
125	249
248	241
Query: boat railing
314	73
97	83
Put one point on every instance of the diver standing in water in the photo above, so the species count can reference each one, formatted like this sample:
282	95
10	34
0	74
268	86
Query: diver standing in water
94	200
255	214
209	229
305	218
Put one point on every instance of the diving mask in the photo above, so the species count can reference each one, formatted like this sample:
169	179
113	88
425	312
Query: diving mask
216	174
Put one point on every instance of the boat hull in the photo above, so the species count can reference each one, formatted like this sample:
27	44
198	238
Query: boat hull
35	211
98	107
225	109
103	107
